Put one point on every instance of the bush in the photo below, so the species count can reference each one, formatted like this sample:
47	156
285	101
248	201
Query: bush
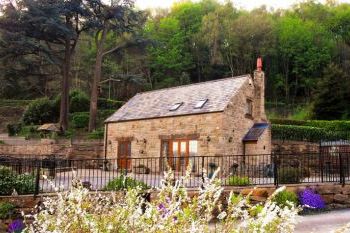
96	134
6	210
80	119
124	182
310	199
103	103
40	111
289	175
13	129
9	181
78	101
335	125
306	133
238	181
282	197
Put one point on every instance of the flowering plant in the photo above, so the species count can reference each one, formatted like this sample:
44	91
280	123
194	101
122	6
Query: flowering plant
172	210
16	226
310	199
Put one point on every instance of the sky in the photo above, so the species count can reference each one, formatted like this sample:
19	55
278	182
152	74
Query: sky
245	4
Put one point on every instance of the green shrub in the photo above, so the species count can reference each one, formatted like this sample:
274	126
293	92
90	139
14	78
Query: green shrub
13	129
103	103
2	142
96	134
335	125
124	182
30	131
289	175
39	111
282	197
238	181
6	210
78	101
288	122
80	119
306	133
9	180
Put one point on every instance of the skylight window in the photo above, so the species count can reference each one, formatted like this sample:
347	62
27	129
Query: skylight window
175	106
200	103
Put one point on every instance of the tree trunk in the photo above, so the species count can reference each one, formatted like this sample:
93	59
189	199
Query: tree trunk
66	66
96	81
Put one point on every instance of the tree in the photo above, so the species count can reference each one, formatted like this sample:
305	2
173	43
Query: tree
110	21
49	28
332	100
304	47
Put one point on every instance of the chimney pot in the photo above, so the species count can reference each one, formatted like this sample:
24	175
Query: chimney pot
259	64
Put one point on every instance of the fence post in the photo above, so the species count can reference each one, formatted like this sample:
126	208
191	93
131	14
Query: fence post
37	179
320	158
275	169
341	170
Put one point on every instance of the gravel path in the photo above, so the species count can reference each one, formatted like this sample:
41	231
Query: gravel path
323	223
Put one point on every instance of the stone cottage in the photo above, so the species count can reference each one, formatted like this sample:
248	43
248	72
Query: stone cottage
214	118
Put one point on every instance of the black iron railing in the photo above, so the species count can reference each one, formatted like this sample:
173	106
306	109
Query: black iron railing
235	170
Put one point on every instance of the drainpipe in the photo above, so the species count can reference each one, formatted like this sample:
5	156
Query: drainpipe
105	146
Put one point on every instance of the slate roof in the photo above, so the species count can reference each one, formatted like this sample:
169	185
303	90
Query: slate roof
255	132
155	104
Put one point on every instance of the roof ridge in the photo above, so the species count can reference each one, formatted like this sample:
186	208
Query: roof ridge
193	84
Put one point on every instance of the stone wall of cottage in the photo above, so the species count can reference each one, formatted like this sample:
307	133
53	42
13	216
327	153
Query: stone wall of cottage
236	123
146	135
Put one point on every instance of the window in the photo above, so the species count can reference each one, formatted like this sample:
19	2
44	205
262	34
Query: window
178	152
249	110
200	103
175	106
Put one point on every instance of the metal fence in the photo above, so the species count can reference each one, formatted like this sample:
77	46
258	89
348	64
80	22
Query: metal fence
235	170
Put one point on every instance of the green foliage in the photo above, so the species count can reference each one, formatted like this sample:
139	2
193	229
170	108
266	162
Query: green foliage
29	132
109	104
307	133
14	129
124	182
78	101
80	119
282	197
2	142
335	125
238	181
6	210
333	95
9	181
289	175
39	111
96	134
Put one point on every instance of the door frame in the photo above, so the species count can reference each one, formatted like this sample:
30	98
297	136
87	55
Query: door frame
124	161
177	166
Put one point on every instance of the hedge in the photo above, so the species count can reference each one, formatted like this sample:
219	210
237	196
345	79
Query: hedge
337	125
306	133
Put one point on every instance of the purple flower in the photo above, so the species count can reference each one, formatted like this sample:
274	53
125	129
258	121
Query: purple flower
161	207
16	226
309	198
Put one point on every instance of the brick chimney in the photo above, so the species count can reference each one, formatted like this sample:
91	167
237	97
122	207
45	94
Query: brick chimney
259	96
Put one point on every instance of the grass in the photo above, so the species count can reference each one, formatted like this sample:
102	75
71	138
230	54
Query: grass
238	181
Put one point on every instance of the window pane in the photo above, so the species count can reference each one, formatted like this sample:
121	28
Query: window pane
175	149
175	106
200	103
193	147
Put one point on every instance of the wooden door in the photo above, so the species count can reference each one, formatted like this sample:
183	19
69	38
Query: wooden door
179	155
124	155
